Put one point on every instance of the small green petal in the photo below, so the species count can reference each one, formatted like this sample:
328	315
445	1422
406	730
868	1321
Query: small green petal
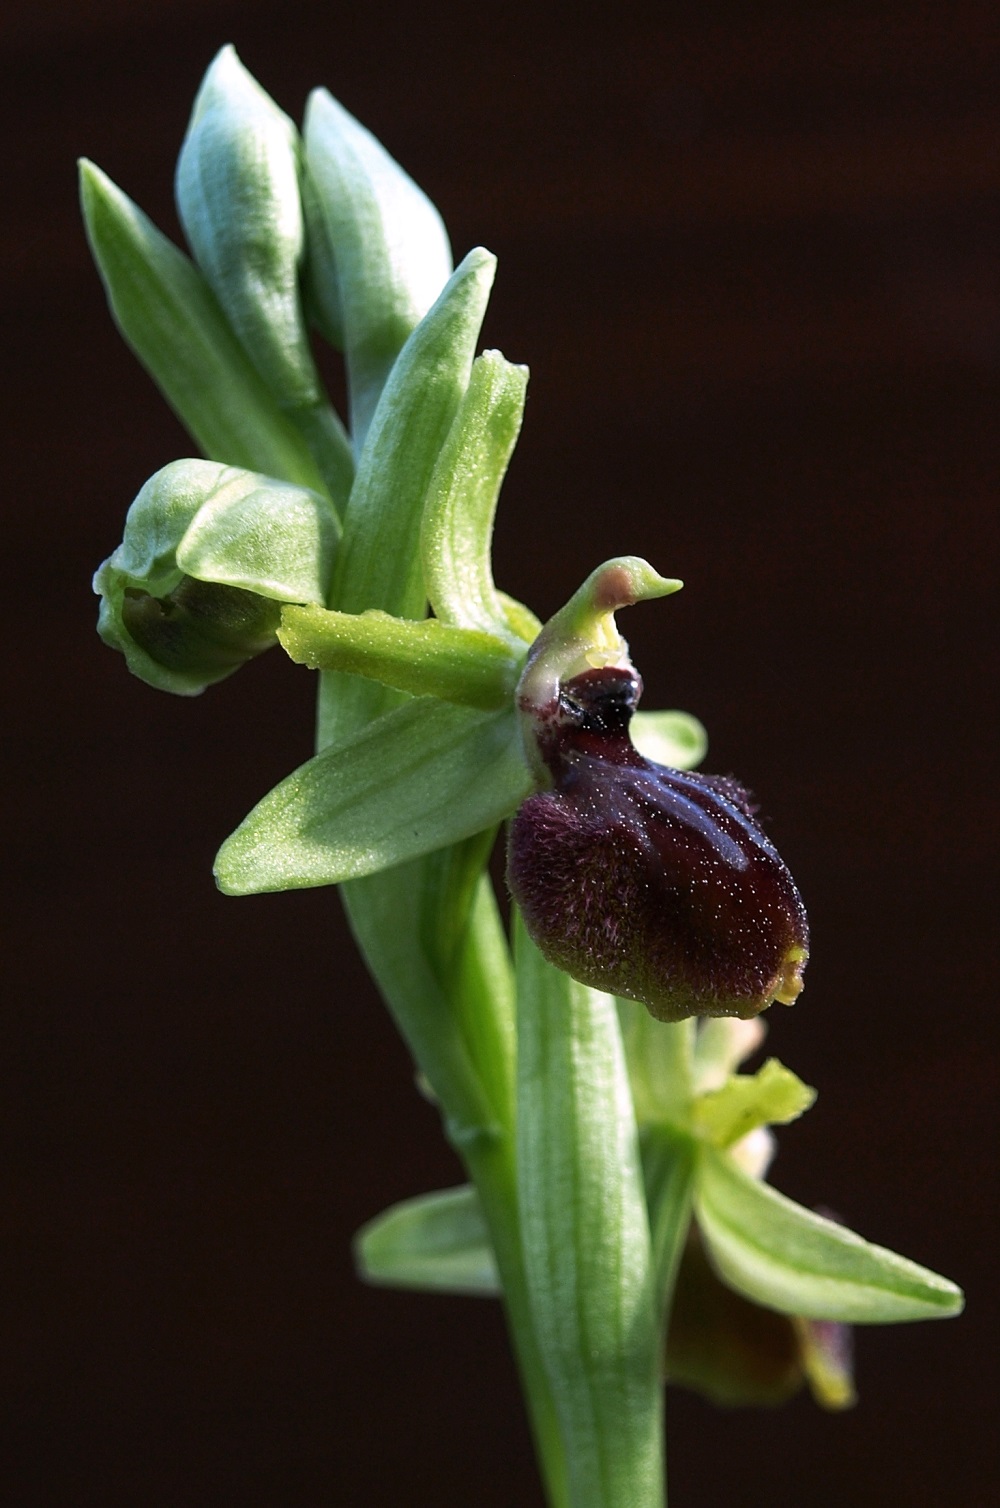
424	658
672	738
771	1096
457	529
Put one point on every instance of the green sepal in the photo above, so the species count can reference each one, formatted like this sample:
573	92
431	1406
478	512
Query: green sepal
721	1044
436	1242
171	319
379	559
422	776
457	530
387	243
424	658
203	544
658	1054
788	1258
672	738
237	188
585	1232
771	1096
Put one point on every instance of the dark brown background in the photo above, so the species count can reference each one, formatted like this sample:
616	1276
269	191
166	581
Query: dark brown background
751	254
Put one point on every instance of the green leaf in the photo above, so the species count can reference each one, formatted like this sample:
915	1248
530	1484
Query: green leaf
424	775
436	1241
238	199
386	242
587	1249
771	1096
425	658
672	738
457	531
170	318
787	1258
379	557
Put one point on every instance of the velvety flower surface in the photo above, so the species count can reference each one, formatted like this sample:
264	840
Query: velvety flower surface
646	881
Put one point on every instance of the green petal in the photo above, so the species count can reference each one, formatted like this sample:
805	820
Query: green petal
437	1242
772	1250
425	658
379	557
388	246
771	1096
424	775
457	531
169	316
672	738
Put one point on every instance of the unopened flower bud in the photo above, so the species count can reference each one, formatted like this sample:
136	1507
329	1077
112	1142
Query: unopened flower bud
641	880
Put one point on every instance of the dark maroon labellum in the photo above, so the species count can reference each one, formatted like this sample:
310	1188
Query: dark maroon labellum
645	881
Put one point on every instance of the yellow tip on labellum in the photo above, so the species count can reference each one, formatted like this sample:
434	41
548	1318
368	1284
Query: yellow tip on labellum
790	982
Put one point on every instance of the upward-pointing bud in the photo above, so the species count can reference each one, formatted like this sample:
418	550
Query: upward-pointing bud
635	878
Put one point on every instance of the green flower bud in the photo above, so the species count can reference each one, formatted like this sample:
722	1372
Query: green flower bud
238	199
209	554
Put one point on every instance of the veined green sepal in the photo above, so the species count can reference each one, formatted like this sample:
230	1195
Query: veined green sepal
788	1258
420	777
379	560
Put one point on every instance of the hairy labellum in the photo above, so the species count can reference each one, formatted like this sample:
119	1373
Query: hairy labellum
646	881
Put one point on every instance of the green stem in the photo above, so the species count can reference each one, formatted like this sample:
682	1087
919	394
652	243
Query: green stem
492	1168
586	1239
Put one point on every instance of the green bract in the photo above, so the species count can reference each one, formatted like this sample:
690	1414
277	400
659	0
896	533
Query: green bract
610	1157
